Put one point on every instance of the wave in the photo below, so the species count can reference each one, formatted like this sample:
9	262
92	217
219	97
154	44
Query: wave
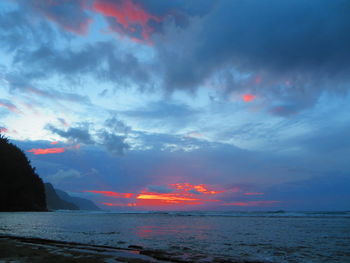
278	213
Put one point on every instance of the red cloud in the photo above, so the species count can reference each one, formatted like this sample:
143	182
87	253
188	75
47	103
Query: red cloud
55	142
111	194
166	203
132	18
171	199
53	150
201	188
248	97
3	130
47	150
182	194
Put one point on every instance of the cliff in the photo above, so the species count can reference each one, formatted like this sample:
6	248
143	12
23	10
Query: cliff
54	202
81	203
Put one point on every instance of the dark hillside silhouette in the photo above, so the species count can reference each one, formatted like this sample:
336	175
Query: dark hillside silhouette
54	202
21	189
81	203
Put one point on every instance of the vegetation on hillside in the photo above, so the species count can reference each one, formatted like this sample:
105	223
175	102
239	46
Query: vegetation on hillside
21	189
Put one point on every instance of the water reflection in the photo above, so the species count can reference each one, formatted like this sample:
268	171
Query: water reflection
199	231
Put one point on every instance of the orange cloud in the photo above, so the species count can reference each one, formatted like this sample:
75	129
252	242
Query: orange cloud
53	150
55	142
201	188
165	197
47	150
184	194
248	97
170	199
111	194
131	16
165	203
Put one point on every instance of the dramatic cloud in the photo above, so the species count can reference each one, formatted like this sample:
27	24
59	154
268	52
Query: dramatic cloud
179	194
127	17
182	104
112	137
252	46
78	134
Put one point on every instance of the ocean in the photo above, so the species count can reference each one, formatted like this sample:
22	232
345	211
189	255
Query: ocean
262	236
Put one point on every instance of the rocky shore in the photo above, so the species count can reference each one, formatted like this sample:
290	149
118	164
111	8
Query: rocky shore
36	250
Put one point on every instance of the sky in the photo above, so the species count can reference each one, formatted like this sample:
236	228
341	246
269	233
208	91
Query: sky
182	104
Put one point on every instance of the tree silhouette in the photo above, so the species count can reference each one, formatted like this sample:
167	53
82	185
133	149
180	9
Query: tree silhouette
21	189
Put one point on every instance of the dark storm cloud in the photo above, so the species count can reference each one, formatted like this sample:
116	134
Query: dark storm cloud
289	52
102	59
79	134
115	144
18	30
293	49
279	35
112	137
38	55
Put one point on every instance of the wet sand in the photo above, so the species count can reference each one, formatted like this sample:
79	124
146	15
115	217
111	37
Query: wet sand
17	249
35	250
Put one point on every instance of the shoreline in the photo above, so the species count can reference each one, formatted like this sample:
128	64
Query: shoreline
38	250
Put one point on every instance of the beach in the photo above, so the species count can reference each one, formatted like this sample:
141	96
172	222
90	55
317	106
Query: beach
36	250
175	237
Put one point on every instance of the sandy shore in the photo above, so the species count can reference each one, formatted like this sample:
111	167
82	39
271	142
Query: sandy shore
35	250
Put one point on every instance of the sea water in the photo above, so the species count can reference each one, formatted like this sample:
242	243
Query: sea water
264	236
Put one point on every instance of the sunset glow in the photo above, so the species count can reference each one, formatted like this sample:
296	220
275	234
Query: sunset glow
146	105
132	18
47	151
248	97
182	194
